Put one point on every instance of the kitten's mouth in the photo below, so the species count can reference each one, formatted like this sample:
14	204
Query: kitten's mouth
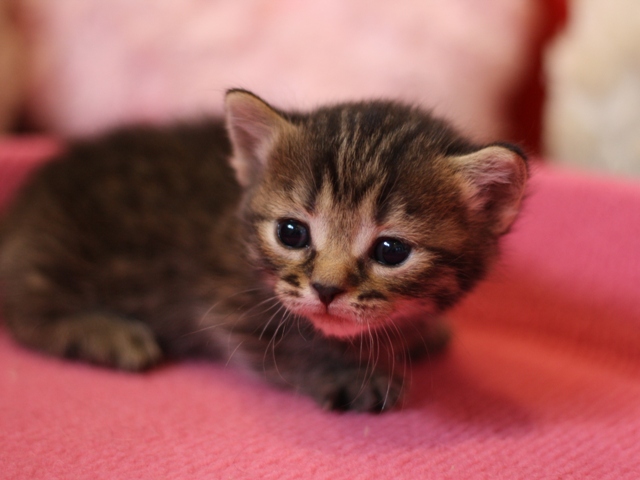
336	326
331	320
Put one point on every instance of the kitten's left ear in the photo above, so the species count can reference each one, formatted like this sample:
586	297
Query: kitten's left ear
253	127
493	181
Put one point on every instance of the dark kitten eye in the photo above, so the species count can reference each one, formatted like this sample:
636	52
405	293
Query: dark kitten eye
293	234
391	251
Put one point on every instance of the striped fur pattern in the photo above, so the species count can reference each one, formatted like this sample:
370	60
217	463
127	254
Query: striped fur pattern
357	173
316	249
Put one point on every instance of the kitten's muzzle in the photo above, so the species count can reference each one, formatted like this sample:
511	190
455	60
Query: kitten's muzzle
327	293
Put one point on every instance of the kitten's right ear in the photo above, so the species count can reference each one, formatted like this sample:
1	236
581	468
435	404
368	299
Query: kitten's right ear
253	127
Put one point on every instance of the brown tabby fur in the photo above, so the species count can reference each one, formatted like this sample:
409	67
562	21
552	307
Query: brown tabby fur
152	242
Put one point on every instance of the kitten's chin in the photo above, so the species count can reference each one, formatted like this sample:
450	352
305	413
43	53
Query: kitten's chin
334	326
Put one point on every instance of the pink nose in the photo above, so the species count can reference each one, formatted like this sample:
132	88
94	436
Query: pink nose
326	293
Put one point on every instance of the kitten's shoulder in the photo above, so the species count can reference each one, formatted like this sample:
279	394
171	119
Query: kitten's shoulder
193	137
170	148
182	162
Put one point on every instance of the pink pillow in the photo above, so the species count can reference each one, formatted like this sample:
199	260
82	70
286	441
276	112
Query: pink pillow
96	64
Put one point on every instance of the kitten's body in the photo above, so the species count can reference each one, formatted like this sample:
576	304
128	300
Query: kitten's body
336	238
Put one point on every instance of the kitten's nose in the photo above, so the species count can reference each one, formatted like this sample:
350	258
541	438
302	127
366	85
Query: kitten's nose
326	293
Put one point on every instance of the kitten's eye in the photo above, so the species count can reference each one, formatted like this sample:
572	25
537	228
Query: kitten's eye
391	251
293	234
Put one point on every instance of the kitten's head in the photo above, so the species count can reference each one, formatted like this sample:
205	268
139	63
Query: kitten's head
364	214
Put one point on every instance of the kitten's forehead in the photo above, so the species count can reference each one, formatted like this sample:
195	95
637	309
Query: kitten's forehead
360	154
359	167
351	228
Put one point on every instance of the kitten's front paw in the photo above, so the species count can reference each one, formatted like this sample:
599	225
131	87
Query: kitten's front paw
110	341
378	392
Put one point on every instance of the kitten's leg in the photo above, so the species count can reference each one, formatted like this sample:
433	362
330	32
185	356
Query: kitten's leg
348	385
328	370
374	383
95	337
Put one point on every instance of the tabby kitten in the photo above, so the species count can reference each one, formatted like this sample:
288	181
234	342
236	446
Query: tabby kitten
315	249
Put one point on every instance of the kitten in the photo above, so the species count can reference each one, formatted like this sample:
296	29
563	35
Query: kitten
316	250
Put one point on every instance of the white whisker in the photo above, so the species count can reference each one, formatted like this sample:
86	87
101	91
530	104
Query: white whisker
393	366
233	353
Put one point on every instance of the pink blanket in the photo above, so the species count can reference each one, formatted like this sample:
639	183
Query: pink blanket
541	381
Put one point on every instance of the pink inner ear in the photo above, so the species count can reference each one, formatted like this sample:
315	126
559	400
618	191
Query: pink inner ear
250	119
495	177
253	126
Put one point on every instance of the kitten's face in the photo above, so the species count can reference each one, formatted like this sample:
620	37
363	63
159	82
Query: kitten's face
360	216
342	268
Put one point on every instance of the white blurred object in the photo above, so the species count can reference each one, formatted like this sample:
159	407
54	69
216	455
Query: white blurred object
592	114
100	63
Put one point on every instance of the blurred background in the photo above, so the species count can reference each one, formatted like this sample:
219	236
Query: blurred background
560	77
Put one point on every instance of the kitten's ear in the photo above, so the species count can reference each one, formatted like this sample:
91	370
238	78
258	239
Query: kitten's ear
493	181
253	127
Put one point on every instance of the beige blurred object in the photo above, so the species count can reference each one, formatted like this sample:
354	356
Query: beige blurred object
12	70
592	114
96	64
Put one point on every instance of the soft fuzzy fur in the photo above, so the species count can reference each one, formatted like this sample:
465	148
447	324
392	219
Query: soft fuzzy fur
171	251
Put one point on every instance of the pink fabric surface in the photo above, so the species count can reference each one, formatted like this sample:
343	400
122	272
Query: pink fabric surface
541	380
